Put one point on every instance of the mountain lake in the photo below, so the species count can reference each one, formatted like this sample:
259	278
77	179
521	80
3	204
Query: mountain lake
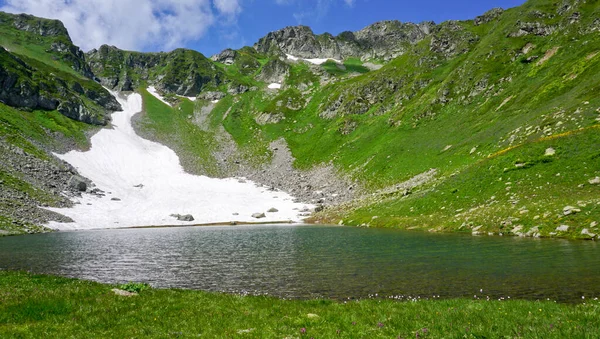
300	261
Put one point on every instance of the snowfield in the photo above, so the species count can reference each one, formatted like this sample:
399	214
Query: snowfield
316	61
152	90
144	184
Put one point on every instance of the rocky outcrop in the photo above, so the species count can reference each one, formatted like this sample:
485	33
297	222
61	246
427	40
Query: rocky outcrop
54	36
226	57
385	40
273	71
183	72
24	86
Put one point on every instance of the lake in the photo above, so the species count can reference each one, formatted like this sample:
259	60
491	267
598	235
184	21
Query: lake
336	262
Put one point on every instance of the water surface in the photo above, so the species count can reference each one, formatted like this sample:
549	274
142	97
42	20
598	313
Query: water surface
316	261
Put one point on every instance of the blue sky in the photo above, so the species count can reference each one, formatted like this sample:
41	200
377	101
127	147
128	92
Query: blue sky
210	26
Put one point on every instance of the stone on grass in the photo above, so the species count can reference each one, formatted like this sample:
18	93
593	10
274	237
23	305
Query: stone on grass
550	152
568	210
123	293
594	181
562	228
587	232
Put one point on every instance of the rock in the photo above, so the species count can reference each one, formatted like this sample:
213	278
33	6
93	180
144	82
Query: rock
568	210
226	57
273	210
115	199
593	224
184	217
594	181
562	228
550	152
78	183
258	215
123	293
587	232
211	96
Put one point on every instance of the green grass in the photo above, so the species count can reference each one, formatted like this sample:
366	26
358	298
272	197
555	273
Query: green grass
350	66
174	127
36	306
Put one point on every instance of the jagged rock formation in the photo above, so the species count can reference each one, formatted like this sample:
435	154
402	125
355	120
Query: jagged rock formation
182	71
383	40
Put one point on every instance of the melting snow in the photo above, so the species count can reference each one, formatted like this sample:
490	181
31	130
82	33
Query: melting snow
275	86
151	185
152	90
317	61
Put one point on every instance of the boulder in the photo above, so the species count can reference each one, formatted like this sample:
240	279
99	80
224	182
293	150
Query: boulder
258	215
273	210
78	183
562	228
594	181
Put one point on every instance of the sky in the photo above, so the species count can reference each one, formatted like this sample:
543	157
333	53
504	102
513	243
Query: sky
210	26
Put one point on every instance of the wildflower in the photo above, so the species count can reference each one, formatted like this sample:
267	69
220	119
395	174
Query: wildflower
303	330
380	325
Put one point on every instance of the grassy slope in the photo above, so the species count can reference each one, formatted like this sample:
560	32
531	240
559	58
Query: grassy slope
36	306
173	126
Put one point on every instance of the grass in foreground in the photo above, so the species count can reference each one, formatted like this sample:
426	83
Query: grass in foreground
34	306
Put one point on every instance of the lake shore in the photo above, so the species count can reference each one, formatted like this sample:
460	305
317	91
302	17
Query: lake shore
49	306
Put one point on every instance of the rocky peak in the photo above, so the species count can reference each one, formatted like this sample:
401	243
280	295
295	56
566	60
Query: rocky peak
488	16
299	41
226	57
385	40
40	26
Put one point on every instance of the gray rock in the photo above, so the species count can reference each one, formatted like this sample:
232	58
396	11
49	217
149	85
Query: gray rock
115	199
123	293
258	215
226	57
568	210
186	217
550	152
594	181
562	228
273	210
78	183
587	232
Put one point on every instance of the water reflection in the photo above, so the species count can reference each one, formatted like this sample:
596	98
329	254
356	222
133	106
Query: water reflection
316	261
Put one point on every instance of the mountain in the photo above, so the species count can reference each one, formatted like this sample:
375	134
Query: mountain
482	126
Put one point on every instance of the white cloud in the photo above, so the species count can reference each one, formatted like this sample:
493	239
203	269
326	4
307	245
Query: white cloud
350	3
133	24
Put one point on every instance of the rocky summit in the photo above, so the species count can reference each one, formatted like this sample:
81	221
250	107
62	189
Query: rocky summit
486	126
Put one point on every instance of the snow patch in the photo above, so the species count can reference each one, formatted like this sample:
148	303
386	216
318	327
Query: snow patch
152	90
145	184
275	86
189	98
316	61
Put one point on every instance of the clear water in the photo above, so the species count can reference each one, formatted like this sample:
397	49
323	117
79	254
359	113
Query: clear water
317	261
